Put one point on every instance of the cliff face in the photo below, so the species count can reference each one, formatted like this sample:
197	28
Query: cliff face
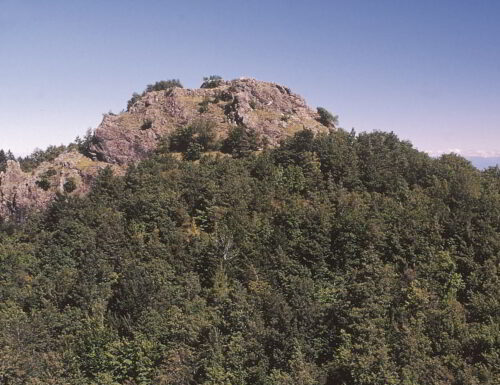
270	110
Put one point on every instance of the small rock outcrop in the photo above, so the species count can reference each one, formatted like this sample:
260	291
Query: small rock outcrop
22	192
269	109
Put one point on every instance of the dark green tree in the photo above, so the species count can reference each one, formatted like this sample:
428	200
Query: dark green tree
212	81
326	118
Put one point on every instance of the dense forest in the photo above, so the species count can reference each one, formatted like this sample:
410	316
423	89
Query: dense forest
337	258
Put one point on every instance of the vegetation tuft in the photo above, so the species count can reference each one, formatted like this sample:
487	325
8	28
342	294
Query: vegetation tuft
162	85
326	118
212	81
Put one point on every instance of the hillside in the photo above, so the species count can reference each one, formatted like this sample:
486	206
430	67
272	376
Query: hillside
267	110
210	256
270	110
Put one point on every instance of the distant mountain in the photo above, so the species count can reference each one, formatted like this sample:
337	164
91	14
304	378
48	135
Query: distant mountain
482	162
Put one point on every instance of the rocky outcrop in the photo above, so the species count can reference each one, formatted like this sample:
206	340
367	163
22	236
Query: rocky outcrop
271	110
21	192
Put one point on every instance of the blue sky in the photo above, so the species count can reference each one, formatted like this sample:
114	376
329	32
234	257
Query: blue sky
427	70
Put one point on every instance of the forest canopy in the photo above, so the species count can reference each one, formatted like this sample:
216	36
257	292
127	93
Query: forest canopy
332	259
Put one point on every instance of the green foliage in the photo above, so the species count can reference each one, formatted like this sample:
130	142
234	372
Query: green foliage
70	185
164	85
194	139
4	157
212	81
148	123
326	118
161	85
240	142
135	97
193	151
44	182
83	145
50	172
37	157
333	259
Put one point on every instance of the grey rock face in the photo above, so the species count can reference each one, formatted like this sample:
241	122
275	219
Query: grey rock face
271	110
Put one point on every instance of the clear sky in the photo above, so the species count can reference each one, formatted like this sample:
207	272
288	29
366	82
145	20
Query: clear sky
427	70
